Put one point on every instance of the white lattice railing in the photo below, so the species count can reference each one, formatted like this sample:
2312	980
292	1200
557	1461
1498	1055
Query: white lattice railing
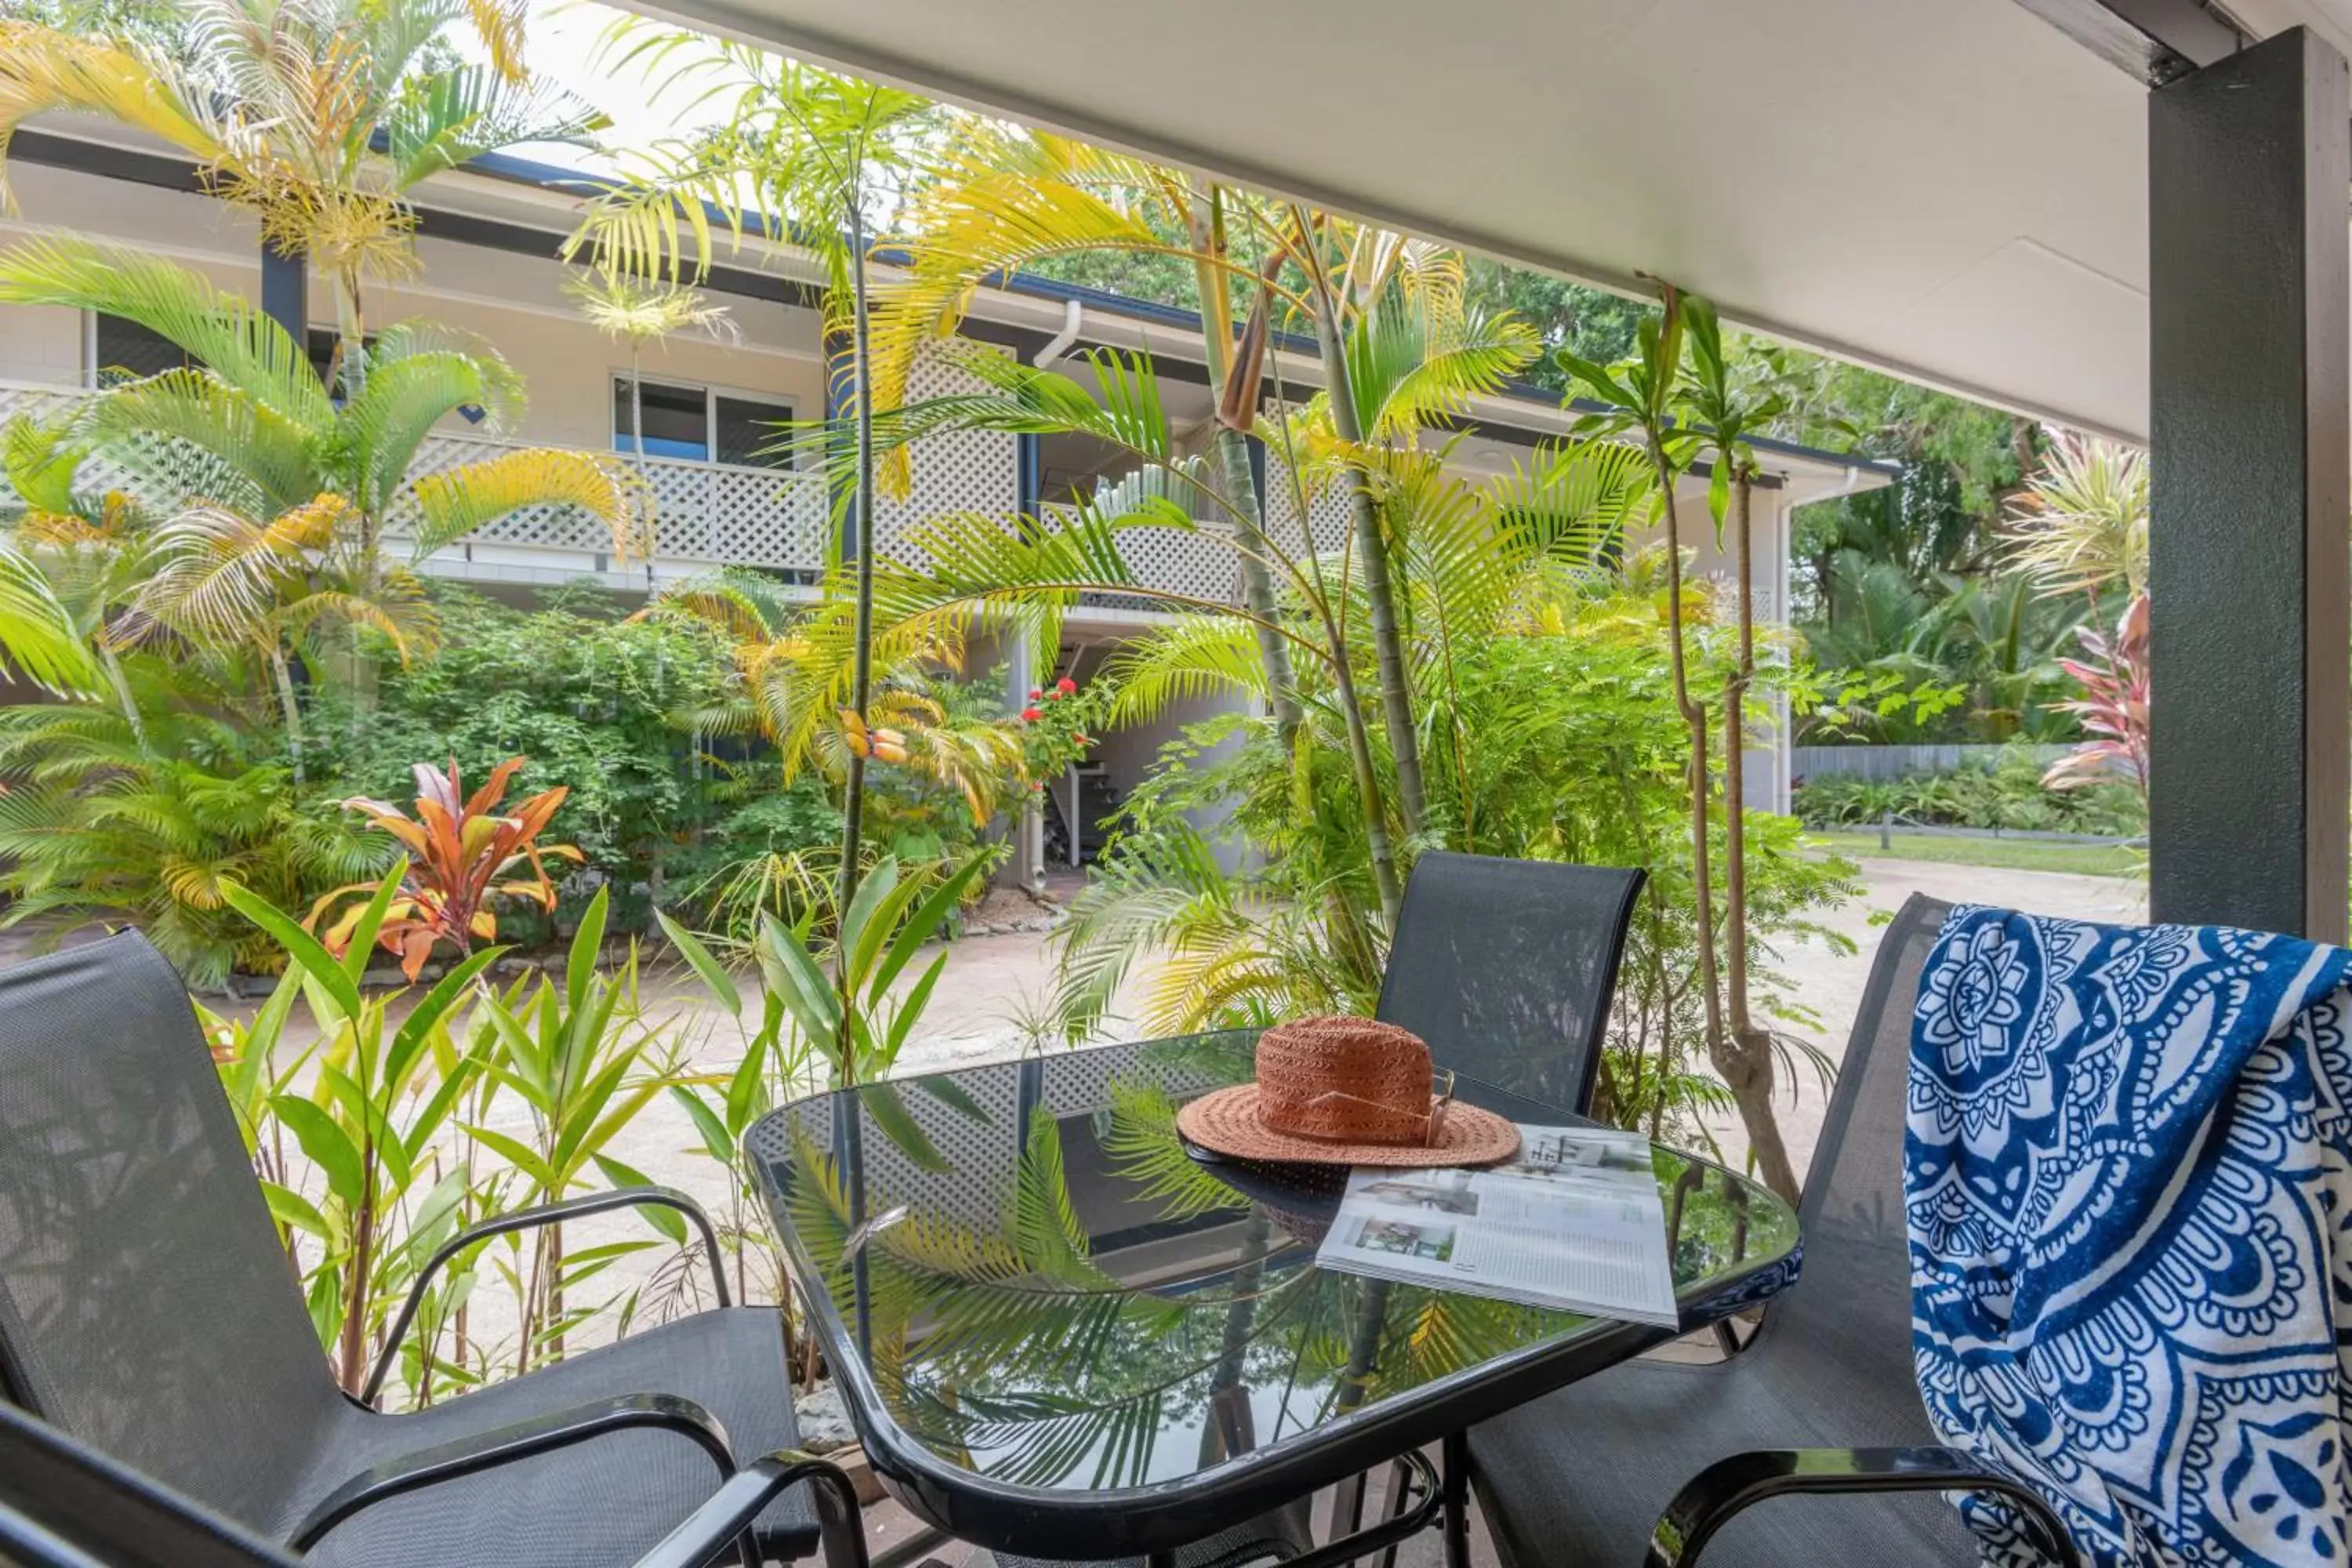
714	513
722	513
719	514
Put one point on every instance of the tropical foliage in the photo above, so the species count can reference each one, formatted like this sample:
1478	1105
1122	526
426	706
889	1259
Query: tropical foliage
2009	795
395	1108
464	853
316	116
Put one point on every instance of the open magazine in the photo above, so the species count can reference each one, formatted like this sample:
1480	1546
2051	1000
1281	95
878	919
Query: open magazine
1573	1223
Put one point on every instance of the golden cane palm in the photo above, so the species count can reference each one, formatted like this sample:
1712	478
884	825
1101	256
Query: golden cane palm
781	655
1401	347
316	116
812	153
65	561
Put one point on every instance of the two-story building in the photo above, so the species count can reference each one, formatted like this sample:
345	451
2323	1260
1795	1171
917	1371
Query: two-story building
487	239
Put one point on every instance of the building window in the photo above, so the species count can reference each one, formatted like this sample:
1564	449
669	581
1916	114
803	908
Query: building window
700	425
125	350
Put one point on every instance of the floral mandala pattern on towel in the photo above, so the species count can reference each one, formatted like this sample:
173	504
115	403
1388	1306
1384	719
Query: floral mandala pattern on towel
2127	1178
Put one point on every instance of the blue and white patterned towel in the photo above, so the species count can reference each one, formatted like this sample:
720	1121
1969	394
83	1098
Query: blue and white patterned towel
2127	1175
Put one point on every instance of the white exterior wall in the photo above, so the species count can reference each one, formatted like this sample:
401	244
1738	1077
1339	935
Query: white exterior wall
516	301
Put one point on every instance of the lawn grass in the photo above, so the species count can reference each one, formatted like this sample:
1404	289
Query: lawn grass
2006	854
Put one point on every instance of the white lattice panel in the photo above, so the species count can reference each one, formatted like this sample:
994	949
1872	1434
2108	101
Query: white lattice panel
161	475
715	513
1199	565
36	402
1327	508
970	470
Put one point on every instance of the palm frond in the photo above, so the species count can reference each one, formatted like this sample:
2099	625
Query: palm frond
410	392
244	438
454	503
1190	657
220	576
37	633
442	119
221	331
1414	360
45	70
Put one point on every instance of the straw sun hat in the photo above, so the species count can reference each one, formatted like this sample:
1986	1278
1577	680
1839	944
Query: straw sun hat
1346	1091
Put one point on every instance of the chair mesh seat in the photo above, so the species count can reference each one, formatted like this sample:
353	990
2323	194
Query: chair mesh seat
147	1309
1506	969
1583	1475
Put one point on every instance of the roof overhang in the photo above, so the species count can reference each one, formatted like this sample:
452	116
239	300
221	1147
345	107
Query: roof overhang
1951	190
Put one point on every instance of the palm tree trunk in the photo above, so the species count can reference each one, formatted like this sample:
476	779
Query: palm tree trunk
853	811
637	433
289	708
1240	476
1368	784
1258	583
1388	641
122	687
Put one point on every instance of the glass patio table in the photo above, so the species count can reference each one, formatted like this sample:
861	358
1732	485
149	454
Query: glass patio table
1061	1333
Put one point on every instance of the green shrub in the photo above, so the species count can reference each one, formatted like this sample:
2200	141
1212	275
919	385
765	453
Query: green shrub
2009	795
591	698
1558	742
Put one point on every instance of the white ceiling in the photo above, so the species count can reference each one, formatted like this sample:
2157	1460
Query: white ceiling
1950	189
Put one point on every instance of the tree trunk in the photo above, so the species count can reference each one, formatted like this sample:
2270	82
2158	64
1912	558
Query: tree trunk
637	435
1379	593
852	812
1750	1068
122	687
1239	476
1748	1077
290	709
1368	785
1259	594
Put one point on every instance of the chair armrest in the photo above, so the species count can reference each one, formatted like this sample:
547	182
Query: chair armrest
529	1219
521	1440
719	1523
1711	1499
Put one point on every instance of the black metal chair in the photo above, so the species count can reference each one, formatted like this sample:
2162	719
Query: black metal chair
147	1309
63	1504
1589	1475
1507	968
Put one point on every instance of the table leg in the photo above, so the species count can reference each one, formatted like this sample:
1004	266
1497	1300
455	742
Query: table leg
1347	1512
1400	1497
1454	1476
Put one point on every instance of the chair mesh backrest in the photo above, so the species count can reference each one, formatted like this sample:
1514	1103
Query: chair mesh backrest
146	1307
1849	1313
1506	967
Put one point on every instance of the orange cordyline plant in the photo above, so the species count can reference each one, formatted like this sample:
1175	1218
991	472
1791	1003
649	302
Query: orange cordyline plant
461	850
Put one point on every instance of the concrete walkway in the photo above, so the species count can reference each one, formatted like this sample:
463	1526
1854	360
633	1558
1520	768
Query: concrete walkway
1831	982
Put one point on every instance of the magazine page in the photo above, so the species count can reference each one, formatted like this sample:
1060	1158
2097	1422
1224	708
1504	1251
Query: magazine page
1573	1223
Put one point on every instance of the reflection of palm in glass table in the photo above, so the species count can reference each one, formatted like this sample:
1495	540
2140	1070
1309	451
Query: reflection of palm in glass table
1060	1333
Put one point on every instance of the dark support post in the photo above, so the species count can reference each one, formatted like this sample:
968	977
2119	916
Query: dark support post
2250	161
285	294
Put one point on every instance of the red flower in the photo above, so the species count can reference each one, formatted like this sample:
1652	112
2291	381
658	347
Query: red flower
1036	692
1082	741
1031	715
1055	695
1066	686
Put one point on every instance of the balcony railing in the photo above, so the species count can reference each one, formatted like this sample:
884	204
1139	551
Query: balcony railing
709	513
706	514
713	514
